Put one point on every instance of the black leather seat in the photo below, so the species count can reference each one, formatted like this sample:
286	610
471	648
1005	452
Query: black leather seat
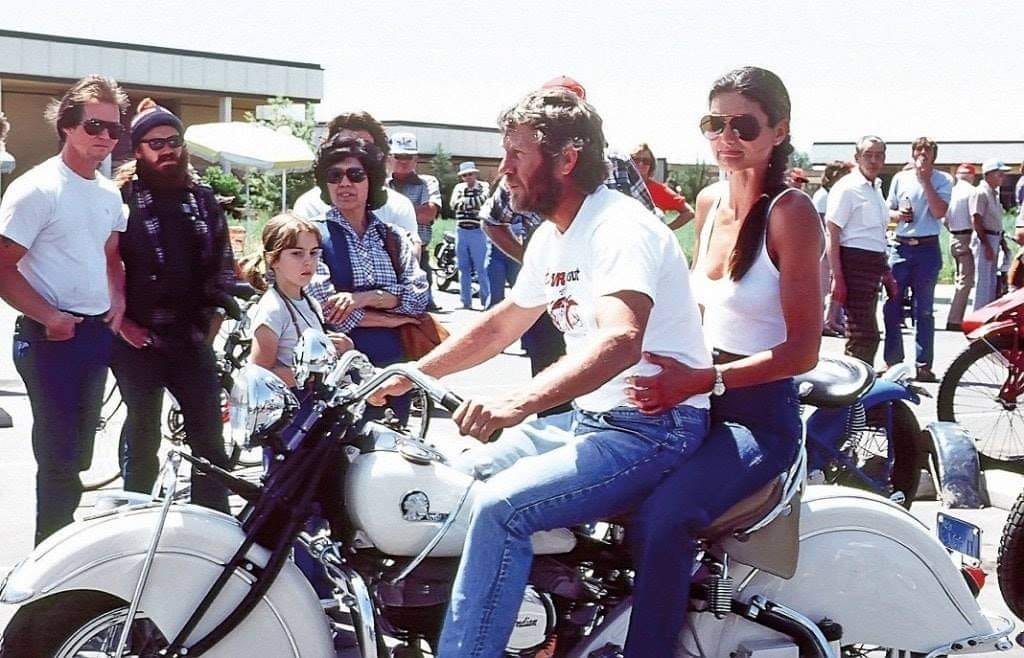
837	381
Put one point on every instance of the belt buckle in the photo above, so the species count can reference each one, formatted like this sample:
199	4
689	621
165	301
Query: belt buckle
913	242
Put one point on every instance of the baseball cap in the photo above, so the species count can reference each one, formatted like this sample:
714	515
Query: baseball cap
468	167
403	144
565	82
967	168
993	165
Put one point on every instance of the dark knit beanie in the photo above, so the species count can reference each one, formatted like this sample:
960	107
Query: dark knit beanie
149	116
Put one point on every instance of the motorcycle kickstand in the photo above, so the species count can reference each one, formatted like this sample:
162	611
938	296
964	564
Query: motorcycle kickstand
170	484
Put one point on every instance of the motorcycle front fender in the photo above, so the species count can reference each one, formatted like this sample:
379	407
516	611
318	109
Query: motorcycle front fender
990	330
105	554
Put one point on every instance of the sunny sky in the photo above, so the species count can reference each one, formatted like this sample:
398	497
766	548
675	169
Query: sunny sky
950	70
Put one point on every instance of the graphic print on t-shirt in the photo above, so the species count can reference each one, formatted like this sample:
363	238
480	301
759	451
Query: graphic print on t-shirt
563	309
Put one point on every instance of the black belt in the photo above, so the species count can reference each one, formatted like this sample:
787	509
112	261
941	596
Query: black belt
468	224
913	242
965	231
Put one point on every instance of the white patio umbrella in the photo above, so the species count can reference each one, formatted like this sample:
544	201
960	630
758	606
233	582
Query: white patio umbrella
243	145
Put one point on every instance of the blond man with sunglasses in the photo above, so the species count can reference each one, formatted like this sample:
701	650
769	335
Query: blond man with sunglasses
59	266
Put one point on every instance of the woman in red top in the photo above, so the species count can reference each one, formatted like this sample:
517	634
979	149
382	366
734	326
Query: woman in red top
664	197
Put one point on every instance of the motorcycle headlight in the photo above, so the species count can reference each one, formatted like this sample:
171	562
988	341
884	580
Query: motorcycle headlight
260	404
313	354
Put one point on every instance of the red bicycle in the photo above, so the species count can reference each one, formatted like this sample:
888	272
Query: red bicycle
983	387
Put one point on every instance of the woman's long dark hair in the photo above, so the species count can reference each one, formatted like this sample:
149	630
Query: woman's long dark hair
766	89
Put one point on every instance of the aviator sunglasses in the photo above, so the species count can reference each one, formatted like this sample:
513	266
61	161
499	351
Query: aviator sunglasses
158	143
354	174
93	127
744	126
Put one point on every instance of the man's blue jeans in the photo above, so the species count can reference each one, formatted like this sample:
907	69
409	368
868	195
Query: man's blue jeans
65	381
501	271
554	472
470	250
917	268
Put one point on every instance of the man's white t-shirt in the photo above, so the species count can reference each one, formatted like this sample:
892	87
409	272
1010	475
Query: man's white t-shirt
820	200
64	221
614	245
856	206
397	210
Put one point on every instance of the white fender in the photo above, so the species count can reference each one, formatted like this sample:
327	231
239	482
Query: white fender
106	553
865	563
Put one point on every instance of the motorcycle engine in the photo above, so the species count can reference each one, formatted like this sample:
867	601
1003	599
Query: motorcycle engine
534	624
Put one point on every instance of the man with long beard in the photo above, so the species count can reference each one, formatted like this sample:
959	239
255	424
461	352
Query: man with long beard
177	261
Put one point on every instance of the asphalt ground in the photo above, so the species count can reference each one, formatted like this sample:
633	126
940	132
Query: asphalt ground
17	467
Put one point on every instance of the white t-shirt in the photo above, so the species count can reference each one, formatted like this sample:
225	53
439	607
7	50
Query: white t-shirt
272	311
397	210
613	245
856	205
958	216
64	221
820	200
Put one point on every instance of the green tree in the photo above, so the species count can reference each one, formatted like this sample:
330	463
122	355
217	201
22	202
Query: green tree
447	176
264	189
688	180
800	159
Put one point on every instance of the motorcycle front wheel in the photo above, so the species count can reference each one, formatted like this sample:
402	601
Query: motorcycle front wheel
970	395
78	625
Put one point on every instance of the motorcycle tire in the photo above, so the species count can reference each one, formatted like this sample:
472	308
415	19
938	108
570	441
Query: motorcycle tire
909	457
1010	561
967	395
105	466
46	628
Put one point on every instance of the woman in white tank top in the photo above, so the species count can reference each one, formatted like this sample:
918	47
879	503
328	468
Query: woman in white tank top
756	277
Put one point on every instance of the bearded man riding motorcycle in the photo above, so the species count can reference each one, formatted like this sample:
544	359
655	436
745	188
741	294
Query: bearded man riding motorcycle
613	278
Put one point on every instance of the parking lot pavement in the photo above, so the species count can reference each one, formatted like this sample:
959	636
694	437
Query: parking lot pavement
17	468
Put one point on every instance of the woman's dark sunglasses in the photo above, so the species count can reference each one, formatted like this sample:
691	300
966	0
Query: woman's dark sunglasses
354	174
158	143
744	126
94	127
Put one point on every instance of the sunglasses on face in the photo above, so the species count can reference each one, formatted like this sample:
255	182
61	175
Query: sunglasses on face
93	127
744	126
354	174
158	143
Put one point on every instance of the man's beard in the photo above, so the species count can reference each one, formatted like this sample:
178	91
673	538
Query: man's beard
543	190
174	178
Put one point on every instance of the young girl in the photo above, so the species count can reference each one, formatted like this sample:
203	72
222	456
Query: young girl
291	250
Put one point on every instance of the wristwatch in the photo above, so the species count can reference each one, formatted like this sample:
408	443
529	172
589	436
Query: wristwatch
719	386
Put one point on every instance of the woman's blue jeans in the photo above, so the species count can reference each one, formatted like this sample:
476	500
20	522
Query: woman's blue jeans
554	472
754	437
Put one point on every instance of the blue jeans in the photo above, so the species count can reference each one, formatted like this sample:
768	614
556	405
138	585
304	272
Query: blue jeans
470	250
753	438
551	473
501	271
917	268
65	381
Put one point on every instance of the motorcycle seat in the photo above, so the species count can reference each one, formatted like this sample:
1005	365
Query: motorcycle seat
837	381
748	511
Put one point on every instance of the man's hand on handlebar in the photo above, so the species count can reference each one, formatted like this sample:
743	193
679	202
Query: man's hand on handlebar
483	420
393	387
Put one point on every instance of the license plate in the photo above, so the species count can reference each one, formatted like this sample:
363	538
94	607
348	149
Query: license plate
959	536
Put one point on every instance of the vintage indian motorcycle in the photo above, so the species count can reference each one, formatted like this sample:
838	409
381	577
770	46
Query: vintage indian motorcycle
823	571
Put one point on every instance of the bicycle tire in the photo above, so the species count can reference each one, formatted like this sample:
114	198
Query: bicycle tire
967	395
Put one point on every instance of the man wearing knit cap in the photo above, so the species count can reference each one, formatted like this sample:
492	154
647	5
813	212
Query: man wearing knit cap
178	263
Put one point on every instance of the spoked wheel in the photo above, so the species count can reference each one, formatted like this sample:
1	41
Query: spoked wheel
105	466
870	447
982	392
79	625
445	270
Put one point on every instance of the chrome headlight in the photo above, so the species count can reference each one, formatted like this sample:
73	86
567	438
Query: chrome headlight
260	404
313	354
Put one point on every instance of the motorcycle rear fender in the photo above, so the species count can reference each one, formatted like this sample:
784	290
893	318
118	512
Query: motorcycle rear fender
954	461
105	554
885	391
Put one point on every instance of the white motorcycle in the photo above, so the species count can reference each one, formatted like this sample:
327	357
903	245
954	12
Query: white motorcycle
825	572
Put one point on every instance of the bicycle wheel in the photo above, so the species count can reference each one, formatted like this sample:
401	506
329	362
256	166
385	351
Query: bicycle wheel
982	392
105	466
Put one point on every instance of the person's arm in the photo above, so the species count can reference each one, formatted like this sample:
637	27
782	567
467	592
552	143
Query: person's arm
455	202
115	282
264	354
978	206
795	236
411	293
505	240
17	292
427	212
682	219
616	344
937	198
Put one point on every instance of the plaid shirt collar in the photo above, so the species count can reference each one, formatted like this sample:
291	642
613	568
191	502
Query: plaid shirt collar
334	215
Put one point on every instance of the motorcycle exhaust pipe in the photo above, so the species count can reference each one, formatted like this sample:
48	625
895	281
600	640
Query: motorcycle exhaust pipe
812	639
